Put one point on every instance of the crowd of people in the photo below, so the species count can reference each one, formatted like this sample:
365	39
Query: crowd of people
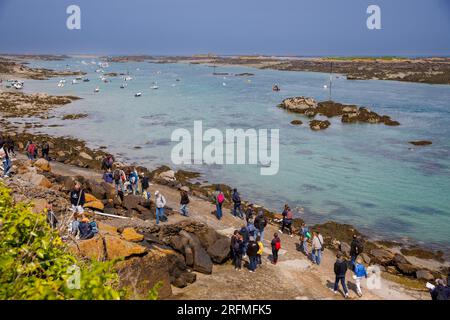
247	242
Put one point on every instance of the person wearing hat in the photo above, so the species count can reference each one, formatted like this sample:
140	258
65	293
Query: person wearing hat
160	202
252	252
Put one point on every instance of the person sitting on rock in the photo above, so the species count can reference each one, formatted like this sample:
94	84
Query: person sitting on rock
77	198
85	229
160	202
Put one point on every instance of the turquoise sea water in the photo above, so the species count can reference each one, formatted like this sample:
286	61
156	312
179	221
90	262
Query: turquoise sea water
362	174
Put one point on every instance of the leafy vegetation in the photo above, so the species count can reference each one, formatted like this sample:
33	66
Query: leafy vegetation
34	262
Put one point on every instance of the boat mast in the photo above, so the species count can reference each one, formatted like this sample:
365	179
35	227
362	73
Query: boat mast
331	79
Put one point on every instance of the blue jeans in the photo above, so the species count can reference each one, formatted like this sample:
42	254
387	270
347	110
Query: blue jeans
6	166
184	210
219	211
305	246
253	263
159	214
342	280
260	233
316	255
236	209
119	185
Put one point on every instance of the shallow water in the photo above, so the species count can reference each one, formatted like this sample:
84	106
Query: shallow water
362	174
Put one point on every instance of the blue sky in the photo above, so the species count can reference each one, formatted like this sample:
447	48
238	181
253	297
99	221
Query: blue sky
282	27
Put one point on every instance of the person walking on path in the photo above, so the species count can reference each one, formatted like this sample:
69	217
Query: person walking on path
249	213
31	150
304	237
237	210
317	247
236	249
184	203
360	272
219	198
276	246
145	184
252	252
260	224
7	164
356	248
340	269
45	150
160	202
287	220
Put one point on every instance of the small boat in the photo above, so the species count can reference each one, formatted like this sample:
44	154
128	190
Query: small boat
138	94
97	89
74	81
154	87
224	84
276	88
86	80
18	85
123	86
177	80
79	78
128	78
60	84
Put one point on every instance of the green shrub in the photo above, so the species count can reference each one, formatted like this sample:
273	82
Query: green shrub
35	264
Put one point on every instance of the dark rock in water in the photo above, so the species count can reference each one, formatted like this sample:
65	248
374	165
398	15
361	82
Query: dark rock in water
422	253
296	122
421	143
319	124
424	275
220	250
74	116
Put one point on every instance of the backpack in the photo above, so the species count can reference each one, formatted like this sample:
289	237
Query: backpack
278	245
236	197
31	148
360	247
308	235
117	175
94	227
220	198
289	215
